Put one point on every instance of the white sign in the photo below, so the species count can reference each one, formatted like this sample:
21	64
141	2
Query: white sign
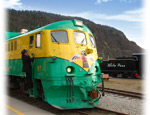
115	65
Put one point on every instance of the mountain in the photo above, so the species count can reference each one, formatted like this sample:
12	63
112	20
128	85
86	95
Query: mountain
110	42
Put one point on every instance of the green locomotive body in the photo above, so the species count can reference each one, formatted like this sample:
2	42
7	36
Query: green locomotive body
66	69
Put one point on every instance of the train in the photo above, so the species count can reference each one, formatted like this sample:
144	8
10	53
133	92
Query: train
124	67
66	68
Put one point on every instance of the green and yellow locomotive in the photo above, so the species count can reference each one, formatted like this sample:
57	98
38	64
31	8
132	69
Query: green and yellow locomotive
66	69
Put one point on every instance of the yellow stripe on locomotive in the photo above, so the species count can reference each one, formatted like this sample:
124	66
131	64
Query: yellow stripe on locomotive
48	48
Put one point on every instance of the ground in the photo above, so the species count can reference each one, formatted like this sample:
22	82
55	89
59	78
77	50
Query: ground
134	85
123	104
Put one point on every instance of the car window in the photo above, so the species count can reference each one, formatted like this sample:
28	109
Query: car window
59	36
92	41
79	38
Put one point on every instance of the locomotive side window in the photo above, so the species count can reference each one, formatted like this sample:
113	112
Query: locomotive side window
92	41
59	36
38	40
31	42
15	46
79	38
11	46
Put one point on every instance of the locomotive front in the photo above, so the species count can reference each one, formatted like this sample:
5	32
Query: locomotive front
72	72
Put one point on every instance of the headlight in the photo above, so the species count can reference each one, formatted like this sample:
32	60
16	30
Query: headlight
69	70
78	22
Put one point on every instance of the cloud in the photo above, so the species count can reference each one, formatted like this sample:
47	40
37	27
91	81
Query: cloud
126	1
130	16
12	3
100	1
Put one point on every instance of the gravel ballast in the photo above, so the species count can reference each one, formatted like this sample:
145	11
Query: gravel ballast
122	104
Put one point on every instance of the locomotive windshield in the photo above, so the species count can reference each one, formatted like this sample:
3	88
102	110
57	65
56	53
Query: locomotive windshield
59	36
79	38
92	41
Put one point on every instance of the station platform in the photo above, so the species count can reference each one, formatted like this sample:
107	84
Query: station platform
17	107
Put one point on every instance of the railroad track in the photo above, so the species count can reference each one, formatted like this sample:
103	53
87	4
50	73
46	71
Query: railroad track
126	78
45	106
99	111
123	93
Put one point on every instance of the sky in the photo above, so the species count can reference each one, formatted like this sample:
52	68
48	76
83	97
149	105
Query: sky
124	15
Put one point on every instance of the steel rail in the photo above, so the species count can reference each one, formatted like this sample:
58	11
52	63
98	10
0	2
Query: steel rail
118	113
101	110
124	93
